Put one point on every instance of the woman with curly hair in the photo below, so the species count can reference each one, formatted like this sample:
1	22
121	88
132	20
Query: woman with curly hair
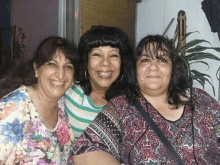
189	118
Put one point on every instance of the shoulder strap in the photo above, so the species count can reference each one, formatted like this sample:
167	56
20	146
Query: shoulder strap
158	132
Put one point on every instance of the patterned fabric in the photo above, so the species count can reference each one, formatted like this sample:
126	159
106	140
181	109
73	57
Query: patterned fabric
24	139
80	109
121	131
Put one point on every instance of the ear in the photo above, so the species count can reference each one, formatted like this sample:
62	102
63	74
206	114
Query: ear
35	69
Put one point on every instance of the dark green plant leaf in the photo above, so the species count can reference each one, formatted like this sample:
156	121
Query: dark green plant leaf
186	35
197	74
202	48
186	66
200	82
191	44
200	62
217	74
202	78
201	55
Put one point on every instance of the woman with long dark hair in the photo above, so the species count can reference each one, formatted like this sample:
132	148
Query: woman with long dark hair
106	56
189	118
34	128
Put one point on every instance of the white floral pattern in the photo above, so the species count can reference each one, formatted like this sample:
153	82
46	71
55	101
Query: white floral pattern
24	139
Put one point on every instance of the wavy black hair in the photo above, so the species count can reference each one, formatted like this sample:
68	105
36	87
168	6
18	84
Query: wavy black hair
179	83
24	73
106	36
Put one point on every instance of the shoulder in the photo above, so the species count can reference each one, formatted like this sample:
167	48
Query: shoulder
15	96
205	105
119	100
74	91
116	105
13	101
203	98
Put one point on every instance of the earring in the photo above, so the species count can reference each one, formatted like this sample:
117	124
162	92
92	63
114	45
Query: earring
121	78
86	75
117	81
35	69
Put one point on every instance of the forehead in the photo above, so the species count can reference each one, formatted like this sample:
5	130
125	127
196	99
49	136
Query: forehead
59	55
105	48
154	48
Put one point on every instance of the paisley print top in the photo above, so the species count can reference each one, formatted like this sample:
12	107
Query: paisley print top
121	131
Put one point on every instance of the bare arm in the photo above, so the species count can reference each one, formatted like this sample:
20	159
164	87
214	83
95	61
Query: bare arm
95	158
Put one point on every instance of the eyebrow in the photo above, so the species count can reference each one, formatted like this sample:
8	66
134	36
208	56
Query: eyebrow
146	55
114	49
164	55
67	61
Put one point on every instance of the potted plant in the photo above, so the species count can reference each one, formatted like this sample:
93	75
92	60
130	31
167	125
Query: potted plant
194	52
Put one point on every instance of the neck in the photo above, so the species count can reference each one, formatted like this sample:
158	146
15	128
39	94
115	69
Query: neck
159	102
47	108
46	102
155	99
98	97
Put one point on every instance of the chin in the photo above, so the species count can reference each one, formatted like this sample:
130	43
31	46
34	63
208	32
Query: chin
105	85
57	94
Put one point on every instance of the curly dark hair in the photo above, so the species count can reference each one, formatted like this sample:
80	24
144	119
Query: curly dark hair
24	74
179	83
106	36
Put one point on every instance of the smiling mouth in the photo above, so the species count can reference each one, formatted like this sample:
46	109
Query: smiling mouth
105	74
57	84
154	77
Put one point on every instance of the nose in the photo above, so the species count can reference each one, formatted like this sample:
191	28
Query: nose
153	65
105	61
60	72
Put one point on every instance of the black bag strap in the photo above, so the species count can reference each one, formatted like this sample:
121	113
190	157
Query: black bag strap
158	132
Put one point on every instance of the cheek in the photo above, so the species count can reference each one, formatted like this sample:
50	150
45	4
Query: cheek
141	71
92	63
42	73
140	76
168	72
70	75
117	66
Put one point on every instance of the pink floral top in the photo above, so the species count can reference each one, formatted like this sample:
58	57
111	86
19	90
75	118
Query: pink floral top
24	139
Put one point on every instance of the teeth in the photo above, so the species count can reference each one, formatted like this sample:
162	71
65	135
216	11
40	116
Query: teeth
56	84
104	73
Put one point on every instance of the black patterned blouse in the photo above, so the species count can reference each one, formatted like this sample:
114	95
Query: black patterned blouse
121	131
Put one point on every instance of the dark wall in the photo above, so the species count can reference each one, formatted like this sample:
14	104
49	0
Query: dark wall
5	19
37	18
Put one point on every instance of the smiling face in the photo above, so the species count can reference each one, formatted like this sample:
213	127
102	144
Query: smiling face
104	65
55	76
153	71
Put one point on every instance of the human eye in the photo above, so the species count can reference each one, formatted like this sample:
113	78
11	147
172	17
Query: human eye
51	63
115	55
163	60
95	54
144	60
69	67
